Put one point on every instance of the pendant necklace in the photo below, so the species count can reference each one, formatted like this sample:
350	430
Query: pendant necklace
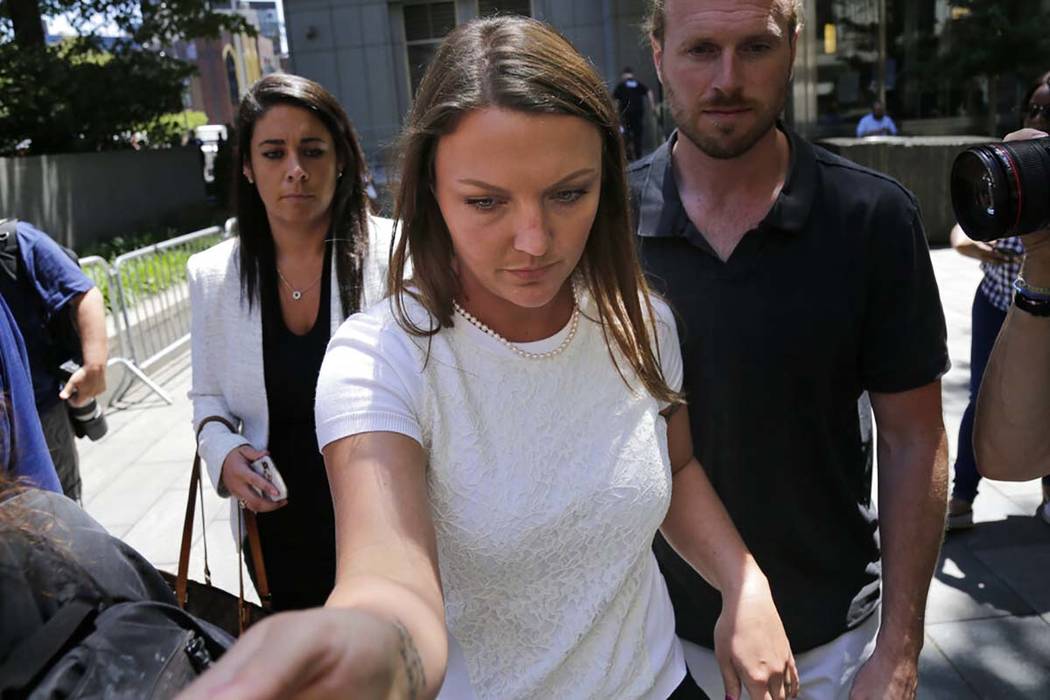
297	294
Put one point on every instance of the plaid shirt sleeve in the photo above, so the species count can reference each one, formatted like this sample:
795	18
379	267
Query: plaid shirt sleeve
997	285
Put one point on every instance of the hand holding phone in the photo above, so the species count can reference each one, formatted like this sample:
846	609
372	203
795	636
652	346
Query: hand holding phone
265	468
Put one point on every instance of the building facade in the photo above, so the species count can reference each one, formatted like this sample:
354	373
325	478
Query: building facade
226	67
372	53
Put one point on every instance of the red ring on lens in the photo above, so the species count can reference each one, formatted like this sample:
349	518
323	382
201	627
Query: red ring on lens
1011	167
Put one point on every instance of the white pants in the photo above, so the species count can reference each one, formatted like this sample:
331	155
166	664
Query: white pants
827	672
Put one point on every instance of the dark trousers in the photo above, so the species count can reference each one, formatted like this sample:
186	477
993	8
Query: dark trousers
986	320
634	135
300	562
61	443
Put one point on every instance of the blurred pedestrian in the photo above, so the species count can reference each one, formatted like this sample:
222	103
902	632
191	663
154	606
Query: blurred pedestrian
1003	263
46	291
876	123
23	450
632	97
264	305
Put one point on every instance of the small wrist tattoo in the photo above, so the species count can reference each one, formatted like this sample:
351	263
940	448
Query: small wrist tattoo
413	664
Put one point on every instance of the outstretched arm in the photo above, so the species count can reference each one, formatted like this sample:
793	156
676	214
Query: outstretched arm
1010	435
382	633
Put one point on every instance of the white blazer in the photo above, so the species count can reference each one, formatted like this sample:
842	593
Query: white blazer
226	345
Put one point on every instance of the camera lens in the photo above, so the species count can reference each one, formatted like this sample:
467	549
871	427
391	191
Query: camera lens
1002	189
88	420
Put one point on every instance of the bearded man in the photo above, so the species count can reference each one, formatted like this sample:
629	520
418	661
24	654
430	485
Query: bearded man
801	280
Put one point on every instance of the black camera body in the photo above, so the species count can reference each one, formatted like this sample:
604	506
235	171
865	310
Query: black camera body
1002	189
88	420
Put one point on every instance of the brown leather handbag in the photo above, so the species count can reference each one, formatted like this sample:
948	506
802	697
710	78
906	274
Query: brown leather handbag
234	614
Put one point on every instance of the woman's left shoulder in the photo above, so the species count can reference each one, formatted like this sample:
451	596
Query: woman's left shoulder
662	313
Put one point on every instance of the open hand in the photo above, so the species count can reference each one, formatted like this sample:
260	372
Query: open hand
320	653
751	646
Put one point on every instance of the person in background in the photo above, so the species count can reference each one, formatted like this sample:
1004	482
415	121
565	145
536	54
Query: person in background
264	306
39	281
632	97
876	123
1001	263
23	450
1013	405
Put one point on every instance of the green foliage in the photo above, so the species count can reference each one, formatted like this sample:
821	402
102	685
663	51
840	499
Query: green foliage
152	274
65	100
147	21
87	94
170	129
997	38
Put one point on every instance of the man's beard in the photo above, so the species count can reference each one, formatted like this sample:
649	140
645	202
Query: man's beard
736	145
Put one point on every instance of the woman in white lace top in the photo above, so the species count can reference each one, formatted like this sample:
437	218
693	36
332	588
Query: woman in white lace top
504	435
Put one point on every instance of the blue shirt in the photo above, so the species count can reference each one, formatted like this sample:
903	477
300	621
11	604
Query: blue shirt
23	451
869	125
46	280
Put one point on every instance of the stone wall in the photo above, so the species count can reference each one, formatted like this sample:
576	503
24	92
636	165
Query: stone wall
81	198
921	163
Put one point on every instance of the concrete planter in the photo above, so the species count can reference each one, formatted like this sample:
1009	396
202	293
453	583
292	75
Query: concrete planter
920	163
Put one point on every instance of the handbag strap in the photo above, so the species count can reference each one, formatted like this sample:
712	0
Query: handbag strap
262	584
182	576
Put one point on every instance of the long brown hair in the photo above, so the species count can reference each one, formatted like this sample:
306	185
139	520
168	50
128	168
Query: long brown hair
520	64
349	227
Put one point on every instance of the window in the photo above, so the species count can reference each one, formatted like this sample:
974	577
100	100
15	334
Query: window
505	7
425	25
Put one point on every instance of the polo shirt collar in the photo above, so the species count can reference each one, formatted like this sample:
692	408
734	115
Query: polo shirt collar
660	210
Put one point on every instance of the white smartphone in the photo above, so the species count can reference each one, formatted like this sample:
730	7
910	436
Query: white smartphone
265	468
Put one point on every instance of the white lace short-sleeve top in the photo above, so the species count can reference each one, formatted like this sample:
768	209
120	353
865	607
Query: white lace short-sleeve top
547	482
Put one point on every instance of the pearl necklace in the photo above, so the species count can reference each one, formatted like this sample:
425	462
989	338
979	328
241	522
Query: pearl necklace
574	323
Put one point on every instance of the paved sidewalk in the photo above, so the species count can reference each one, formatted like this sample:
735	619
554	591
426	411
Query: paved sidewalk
988	618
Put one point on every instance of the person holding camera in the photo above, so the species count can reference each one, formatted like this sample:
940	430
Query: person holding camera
47	293
1001	262
1011	440
264	305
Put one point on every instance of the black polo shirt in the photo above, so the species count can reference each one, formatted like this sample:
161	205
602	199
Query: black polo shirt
833	293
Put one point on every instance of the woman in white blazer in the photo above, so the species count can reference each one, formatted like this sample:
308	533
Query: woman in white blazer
264	305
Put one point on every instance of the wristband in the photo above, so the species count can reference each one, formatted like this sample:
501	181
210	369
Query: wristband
1032	287
1041	294
1036	307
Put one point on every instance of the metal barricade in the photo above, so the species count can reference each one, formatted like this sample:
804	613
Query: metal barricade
99	271
149	296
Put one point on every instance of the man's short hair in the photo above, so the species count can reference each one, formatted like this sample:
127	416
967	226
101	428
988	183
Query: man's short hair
655	19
